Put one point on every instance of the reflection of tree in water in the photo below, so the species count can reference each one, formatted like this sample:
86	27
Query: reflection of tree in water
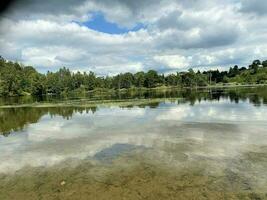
256	96
14	119
255	99
67	112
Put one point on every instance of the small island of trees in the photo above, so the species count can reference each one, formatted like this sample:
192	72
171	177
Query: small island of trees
17	80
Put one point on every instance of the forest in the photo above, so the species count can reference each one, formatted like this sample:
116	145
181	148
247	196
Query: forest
17	79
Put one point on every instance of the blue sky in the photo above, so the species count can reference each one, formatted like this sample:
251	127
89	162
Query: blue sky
110	37
99	23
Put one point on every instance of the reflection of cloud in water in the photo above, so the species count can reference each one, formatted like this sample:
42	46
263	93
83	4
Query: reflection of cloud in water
171	132
82	124
215	112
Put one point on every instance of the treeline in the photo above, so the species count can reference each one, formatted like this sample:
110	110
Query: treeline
16	79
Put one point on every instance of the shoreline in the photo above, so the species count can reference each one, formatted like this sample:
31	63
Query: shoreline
107	91
89	102
92	104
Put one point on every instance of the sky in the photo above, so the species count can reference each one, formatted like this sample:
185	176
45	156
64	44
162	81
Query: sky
117	36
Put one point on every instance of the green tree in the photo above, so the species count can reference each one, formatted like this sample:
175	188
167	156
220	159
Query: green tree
127	80
90	80
255	66
151	79
16	79
171	80
139	79
264	63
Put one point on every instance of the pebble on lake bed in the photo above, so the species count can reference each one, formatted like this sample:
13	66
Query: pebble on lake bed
62	183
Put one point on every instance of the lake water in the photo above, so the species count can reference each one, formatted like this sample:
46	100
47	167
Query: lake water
209	144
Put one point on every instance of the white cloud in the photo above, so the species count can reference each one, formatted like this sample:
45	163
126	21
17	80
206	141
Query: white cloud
257	7
178	35
172	61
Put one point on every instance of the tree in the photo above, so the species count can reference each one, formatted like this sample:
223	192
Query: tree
264	63
90	80
189	78
139	79
108	82
255	66
151	79
127	80
172	80
16	79
78	80
117	82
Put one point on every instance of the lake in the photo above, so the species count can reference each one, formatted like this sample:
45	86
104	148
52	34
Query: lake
193	144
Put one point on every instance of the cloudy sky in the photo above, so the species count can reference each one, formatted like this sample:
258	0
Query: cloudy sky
113	36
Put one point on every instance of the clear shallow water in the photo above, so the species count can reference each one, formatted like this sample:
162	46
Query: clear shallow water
190	148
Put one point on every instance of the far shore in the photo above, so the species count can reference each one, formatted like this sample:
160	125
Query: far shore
182	88
87	102
107	91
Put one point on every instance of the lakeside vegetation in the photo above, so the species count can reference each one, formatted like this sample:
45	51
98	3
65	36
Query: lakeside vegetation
18	80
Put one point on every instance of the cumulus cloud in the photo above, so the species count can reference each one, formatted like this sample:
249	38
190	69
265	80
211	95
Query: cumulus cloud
36	9
173	61
175	35
257	7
